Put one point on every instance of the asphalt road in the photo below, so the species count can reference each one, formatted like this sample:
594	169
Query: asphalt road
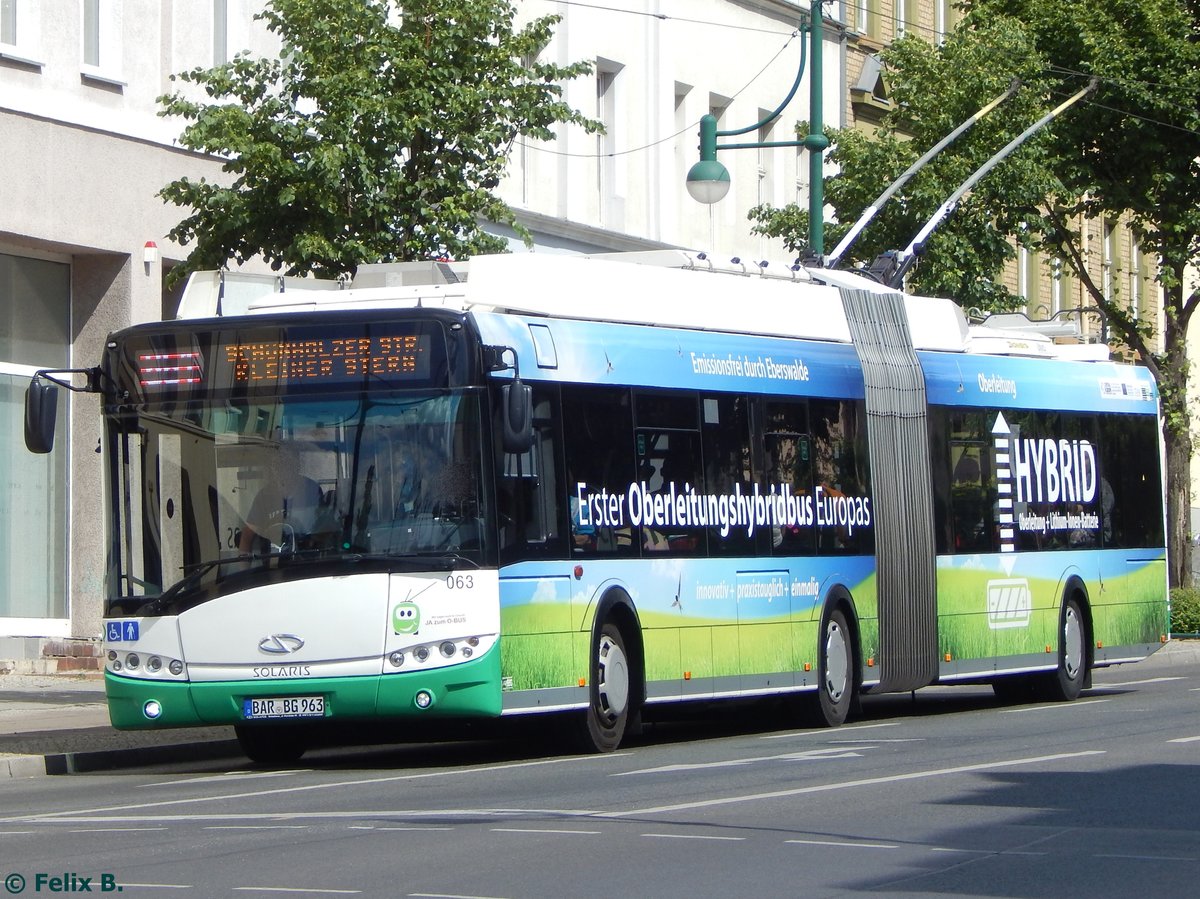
947	794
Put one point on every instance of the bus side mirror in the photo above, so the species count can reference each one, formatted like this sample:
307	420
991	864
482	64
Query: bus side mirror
41	410
517	401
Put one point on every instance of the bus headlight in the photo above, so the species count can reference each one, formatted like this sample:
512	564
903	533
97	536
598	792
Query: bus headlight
396	658
154	663
447	649
152	709
176	667
132	661
421	653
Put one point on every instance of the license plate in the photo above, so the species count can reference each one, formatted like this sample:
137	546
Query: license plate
284	707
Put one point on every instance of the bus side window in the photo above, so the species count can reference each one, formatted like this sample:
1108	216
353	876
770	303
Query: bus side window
1130	495
668	464
528	489
972	484
842	485
598	439
789	472
728	464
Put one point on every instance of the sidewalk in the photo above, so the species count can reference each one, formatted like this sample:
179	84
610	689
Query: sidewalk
58	724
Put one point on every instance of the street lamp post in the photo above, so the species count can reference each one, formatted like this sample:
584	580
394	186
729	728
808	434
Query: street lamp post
708	179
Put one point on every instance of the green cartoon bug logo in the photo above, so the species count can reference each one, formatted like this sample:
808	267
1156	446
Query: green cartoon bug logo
406	618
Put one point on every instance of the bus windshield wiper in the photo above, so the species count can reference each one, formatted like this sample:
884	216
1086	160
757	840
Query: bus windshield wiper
417	561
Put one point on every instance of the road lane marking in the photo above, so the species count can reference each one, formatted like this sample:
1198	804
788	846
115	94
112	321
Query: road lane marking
819	733
50	820
846	844
117	830
1184	740
1055	705
850	784
584	833
256	827
692	836
448	896
422	829
157	886
297	890
1138	683
805	755
1146	858
228	776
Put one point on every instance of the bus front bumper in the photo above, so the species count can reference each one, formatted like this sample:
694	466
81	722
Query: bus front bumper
468	690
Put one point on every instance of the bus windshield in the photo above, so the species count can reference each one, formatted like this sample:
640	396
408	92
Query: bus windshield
213	496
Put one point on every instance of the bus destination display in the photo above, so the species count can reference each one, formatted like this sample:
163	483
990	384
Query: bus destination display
328	359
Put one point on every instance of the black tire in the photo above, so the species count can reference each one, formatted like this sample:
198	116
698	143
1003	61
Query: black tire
1066	683
272	746
611	683
836	683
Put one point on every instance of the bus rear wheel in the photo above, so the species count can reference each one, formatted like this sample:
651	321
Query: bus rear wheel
271	746
1066	683
607	713
835	671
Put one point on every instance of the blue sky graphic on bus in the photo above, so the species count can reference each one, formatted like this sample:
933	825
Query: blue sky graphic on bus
957	379
604	353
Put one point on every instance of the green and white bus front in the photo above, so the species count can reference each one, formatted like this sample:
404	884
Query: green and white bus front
300	530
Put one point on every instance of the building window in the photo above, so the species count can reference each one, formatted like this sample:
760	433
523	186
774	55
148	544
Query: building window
20	30
907	21
606	142
1108	247
8	22
101	38
867	19
766	160
34	333
220	32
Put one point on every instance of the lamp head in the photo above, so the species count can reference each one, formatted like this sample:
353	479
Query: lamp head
708	181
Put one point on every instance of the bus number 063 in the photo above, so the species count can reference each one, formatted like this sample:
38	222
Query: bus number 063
460	582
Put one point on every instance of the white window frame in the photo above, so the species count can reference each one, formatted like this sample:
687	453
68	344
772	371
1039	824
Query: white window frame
106	30
24	36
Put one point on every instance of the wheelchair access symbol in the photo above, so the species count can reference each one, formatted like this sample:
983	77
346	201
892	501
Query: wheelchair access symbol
121	631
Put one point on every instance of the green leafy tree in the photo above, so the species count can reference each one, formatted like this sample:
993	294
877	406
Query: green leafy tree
379	134
1132	149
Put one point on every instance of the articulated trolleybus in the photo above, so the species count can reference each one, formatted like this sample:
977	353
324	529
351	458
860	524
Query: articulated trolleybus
528	484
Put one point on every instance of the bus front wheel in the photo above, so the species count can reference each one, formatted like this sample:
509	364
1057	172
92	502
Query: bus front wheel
608	707
835	671
270	745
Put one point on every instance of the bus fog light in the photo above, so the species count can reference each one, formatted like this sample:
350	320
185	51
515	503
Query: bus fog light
423	699
152	709
176	667
447	649
132	661
421	653
154	663
396	658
